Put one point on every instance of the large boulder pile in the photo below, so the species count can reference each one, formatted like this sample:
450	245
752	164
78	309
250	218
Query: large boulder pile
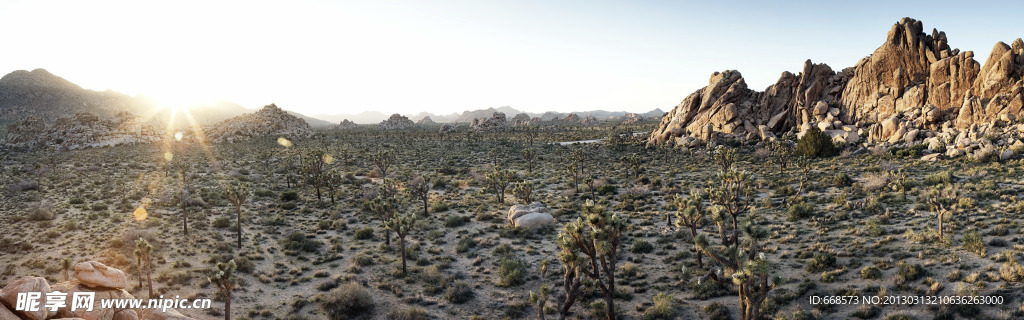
83	130
396	122
90	277
631	118
270	120
521	120
913	87
532	216
426	121
495	123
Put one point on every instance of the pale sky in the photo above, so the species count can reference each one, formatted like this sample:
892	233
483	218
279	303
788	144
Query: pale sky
448	56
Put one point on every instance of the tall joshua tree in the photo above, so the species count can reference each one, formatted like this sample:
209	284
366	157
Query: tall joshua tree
237	194
597	235
419	188
314	169
144	254
529	154
498	181
690	214
402	224
383	159
942	202
224	279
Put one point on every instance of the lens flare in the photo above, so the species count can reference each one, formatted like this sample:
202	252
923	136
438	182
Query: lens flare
284	142
141	214
168	156
178	135
328	159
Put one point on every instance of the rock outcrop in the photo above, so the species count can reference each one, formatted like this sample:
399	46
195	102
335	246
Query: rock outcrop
631	118
426	121
520	120
495	123
532	216
270	120
397	122
346	124
84	130
913	87
85	272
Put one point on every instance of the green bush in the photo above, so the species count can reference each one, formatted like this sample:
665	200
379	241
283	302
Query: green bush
815	143
606	190
288	196
221	222
822	261
298	241
938	178
348	301
510	272
871	273
663	308
909	272
364	234
455	221
642	246
717	311
800	211
460	292
841	180
974	243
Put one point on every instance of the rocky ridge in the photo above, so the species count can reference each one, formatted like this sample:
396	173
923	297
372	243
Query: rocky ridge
495	123
83	130
397	122
914	88
270	120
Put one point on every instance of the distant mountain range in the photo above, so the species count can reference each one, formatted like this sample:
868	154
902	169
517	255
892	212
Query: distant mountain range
43	94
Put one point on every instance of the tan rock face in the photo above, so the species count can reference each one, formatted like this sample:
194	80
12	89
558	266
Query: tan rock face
912	75
9	295
71	287
97	275
6	314
270	120
495	123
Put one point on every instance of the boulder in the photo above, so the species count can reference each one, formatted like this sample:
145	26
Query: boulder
98	275
100	294
1005	155
9	296
6	314
930	157
532	216
953	153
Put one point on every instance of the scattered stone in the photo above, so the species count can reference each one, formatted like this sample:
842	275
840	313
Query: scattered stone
98	275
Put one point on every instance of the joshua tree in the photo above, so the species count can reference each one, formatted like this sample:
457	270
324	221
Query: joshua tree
779	153
65	266
224	279
725	158
633	164
184	197
384	207
383	160
899	181
572	277
690	214
529	155
804	163
498	181
523	191
419	188
144	254
237	194
942	202
572	170
597	236
732	196
313	169
402	224
541	299
741	263
332	181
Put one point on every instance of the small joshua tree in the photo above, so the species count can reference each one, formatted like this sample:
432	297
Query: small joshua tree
144	254
224	279
529	154
541	299
572	277
383	159
597	235
237	194
804	163
899	181
314	169
523	191
402	224
732	196
65	266
942	202
419	188
384	207
633	164
725	158
690	214
332	181
779	153
498	181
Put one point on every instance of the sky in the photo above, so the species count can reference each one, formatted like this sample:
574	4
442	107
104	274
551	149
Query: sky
344	57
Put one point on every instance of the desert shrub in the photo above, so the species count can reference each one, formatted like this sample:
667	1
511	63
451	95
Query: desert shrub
973	243
289	196
909	272
799	211
784	191
867	312
41	213
938	178
717	311
510	271
815	143
348	301
607	190
362	260
822	261
455	221
288	206
24	185
459	292
98	207
364	233
663	308
465	244
871	273
297	241
221	222
439	206
841	180
411	313
1011	271
641	246
76	200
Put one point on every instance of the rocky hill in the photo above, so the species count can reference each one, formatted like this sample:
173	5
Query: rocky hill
397	122
268	121
914	82
83	130
39	93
